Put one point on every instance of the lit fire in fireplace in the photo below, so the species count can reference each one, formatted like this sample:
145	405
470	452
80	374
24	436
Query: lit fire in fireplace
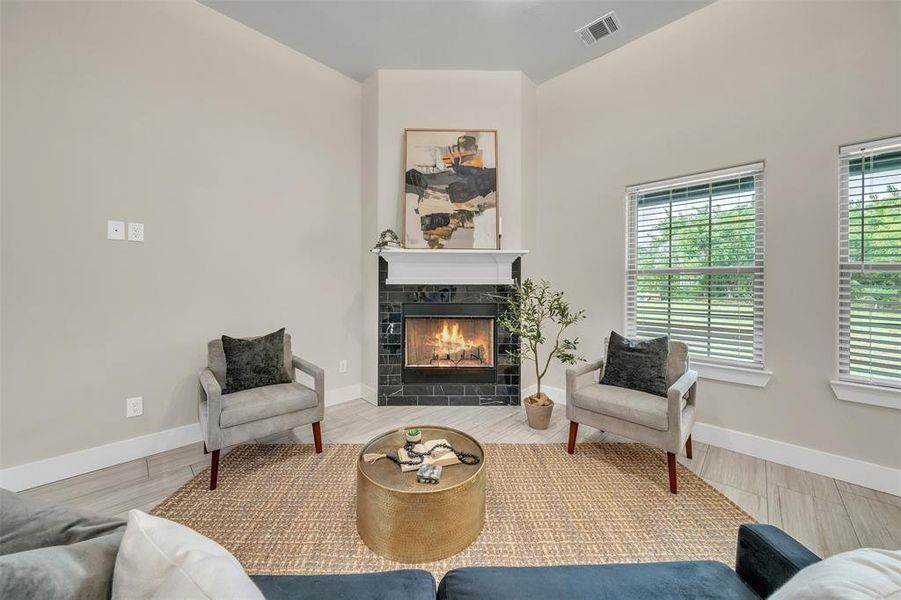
467	342
451	341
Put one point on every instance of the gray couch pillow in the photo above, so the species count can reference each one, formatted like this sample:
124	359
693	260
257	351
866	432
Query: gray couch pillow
254	362
637	364
55	552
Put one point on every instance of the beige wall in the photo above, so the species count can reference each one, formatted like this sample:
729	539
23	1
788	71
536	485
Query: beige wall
432	99
735	82
394	100
242	159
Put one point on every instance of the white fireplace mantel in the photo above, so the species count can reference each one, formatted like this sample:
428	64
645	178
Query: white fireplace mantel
452	267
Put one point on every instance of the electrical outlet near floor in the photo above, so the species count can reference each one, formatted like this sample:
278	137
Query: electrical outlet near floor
342	366
134	407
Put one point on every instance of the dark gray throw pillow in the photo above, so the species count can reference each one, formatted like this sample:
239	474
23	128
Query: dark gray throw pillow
254	362
637	364
55	552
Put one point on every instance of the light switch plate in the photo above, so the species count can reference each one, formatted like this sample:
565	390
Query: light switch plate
135	232
134	407
115	230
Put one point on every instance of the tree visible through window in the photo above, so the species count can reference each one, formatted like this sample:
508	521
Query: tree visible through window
870	269
695	264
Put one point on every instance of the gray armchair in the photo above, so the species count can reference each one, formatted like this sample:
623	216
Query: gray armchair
662	422
244	416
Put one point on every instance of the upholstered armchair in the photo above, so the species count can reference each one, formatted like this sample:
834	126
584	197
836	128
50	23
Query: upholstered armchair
240	417
662	422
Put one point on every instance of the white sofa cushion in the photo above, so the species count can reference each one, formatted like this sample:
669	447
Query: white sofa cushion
867	573
159	559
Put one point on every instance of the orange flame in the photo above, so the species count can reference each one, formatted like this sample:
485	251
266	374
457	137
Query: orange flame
450	340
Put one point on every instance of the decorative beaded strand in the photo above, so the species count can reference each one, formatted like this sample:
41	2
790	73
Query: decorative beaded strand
416	458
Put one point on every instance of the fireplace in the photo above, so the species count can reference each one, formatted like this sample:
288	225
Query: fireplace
443	345
448	343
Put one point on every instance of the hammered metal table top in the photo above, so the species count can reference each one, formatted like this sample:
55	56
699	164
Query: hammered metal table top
388	475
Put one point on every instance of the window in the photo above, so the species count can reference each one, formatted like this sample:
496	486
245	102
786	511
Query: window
870	263
695	263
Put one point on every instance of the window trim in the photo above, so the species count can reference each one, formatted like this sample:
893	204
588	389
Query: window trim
730	373
697	178
866	393
735	371
848	387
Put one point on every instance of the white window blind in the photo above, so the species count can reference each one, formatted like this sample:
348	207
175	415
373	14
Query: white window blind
870	263
694	263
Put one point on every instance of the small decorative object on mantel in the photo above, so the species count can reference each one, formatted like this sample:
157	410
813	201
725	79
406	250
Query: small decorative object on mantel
387	239
531	308
429	473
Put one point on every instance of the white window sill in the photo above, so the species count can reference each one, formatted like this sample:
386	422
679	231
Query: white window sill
753	377
867	394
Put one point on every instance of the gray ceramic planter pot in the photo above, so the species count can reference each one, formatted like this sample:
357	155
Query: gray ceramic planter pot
539	416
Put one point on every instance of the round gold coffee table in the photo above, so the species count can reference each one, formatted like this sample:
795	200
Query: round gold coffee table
412	522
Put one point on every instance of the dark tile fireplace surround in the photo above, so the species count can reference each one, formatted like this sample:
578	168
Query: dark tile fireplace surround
398	386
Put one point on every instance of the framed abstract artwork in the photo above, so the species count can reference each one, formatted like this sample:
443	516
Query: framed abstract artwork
450	189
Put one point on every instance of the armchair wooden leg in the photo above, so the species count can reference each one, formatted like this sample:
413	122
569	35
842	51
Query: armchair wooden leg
573	432
688	447
317	437
214	469
671	463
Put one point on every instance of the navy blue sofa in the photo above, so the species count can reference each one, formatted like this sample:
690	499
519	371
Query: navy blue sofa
410	584
766	558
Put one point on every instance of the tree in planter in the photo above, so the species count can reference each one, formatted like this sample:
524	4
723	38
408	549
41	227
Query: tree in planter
531	309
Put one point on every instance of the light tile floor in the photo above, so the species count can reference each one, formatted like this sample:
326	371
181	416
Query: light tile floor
827	515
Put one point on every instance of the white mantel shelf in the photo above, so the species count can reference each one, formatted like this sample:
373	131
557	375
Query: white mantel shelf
449	267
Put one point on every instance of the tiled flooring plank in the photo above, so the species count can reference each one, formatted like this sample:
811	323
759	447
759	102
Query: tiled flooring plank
67	491
174	460
737	470
804	482
877	524
822	526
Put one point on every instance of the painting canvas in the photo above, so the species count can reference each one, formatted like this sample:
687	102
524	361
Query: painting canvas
450	189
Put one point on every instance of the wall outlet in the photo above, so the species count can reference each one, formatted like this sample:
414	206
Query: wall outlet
135	232
342	366
134	407
115	230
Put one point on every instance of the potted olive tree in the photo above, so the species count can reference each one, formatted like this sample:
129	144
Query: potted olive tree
539	316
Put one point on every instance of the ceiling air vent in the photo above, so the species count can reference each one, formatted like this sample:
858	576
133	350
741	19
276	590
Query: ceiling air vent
599	28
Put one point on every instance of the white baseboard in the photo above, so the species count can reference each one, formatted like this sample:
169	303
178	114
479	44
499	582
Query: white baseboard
40	472
877	477
558	395
369	394
344	394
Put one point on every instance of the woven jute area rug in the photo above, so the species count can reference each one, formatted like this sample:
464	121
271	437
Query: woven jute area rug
286	510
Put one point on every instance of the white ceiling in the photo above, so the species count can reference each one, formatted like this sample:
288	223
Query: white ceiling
357	37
